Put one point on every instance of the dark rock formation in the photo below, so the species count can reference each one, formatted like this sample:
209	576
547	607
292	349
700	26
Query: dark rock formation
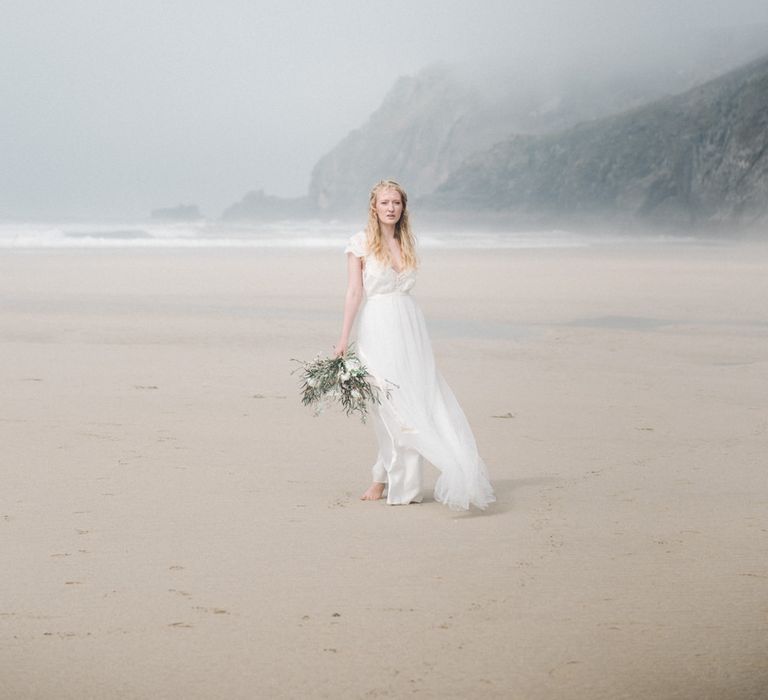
695	159
407	139
430	123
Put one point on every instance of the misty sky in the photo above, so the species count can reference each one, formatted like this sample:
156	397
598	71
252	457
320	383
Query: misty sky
111	108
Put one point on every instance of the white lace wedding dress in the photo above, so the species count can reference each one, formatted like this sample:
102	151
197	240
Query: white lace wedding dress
421	417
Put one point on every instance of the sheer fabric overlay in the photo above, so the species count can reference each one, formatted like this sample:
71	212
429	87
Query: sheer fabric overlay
421	416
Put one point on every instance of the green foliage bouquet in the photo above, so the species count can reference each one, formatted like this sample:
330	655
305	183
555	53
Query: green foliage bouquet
344	379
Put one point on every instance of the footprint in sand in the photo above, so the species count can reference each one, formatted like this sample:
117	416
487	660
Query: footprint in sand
214	611
341	502
183	593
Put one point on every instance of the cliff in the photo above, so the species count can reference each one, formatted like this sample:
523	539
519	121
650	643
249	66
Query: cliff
697	158
430	123
406	139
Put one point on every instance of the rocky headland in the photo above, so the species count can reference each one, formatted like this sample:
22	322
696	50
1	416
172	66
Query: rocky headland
700	158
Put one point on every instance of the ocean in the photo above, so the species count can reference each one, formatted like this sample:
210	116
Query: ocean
281	234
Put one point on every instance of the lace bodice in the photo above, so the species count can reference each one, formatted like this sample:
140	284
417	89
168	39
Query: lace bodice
378	277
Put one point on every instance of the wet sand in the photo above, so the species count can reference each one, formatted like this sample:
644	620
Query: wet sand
174	524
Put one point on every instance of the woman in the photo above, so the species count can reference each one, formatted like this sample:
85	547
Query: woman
419	417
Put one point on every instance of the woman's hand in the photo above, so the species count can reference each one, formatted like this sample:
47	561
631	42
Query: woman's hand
340	348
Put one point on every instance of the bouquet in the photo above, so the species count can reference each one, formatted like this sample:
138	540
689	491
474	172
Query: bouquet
343	379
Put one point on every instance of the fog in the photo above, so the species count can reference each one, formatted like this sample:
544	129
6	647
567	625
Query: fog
110	109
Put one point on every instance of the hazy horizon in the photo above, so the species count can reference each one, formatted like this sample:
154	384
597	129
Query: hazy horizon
109	112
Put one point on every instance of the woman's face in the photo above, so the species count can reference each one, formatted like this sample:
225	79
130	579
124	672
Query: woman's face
389	206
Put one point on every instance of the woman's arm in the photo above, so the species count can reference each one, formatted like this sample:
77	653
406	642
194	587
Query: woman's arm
352	300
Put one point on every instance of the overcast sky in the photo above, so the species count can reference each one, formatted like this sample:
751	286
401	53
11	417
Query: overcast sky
111	108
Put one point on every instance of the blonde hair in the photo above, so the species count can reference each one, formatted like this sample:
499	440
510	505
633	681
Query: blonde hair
403	231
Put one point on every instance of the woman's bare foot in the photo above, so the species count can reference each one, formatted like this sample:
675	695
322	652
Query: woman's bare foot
374	492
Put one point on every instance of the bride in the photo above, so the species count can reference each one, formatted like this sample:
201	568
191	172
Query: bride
419	417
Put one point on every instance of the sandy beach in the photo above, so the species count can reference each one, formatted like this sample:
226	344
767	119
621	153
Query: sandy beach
174	524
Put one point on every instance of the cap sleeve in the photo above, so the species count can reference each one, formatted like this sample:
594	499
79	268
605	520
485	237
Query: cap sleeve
357	245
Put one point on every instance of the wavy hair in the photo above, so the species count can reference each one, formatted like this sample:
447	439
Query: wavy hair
403	232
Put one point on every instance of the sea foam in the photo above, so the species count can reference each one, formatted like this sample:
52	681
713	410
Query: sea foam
283	234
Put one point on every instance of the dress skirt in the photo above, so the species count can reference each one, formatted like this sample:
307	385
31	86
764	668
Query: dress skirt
419	417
